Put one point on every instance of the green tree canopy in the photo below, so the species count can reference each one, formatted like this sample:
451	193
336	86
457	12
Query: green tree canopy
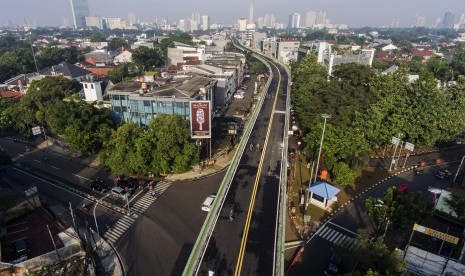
119	73
147	58
162	147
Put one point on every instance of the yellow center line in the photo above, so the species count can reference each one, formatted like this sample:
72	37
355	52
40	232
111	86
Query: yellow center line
240	258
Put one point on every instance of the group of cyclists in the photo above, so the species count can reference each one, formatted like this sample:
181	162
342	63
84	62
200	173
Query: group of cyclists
257	147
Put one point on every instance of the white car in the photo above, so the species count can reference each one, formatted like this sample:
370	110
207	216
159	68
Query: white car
238	96
208	203
120	193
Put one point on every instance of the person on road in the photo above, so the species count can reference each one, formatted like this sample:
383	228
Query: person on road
258	147
251	146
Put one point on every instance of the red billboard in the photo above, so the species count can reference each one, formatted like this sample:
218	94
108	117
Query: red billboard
200	119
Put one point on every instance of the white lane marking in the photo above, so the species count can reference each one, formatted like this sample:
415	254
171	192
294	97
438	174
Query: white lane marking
85	178
37	161
56	168
343	228
19	154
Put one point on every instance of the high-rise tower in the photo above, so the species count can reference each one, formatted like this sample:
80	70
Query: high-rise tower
251	14
80	10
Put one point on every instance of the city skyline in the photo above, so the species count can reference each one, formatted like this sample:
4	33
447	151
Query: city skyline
363	12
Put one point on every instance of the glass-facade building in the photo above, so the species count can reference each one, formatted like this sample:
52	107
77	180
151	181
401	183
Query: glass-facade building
130	103
80	10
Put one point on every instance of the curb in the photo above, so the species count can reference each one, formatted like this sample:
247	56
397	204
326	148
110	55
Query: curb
334	212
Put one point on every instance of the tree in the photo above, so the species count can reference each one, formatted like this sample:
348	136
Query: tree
117	44
175	152
50	56
14	62
397	209
457	204
96	37
343	174
147	58
373	255
229	47
119	73
162	148
353	73
258	67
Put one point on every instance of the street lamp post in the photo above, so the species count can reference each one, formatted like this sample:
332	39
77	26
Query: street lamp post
325	116
95	218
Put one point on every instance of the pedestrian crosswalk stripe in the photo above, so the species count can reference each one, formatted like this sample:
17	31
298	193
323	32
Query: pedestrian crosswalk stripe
327	233
125	222
338	237
333	233
324	231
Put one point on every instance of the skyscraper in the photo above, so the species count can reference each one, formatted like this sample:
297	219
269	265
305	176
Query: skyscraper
80	10
132	19
205	22
420	21
320	18
251	14
311	19
448	21
294	21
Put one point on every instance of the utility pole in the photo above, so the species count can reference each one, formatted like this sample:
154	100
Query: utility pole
72	216
53	241
325	116
395	150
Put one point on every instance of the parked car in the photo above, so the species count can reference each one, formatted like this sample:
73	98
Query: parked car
98	185
333	265
128	184
208	203
418	171
238	96
443	174
120	193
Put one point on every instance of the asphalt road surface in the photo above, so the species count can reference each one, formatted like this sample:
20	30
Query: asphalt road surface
225	245
341	229
161	240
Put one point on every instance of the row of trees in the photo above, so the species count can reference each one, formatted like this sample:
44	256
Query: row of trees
49	103
16	57
367	110
162	147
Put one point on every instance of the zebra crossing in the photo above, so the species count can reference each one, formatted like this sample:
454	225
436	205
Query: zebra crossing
145	201
337	238
117	230
122	225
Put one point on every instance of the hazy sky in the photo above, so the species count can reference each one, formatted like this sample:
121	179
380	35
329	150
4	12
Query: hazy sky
351	12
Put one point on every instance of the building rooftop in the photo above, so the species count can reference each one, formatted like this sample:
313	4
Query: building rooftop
66	69
186	88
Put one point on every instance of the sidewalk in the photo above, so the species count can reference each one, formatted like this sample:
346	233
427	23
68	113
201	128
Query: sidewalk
220	163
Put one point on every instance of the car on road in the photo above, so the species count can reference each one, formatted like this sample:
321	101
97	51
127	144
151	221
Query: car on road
98	185
238	96
333	265
419	171
208	203
443	174
120	193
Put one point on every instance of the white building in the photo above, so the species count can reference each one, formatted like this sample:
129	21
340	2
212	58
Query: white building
288	50
123	57
114	23
180	53
205	22
242	24
94	22
329	59
92	90
310	21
